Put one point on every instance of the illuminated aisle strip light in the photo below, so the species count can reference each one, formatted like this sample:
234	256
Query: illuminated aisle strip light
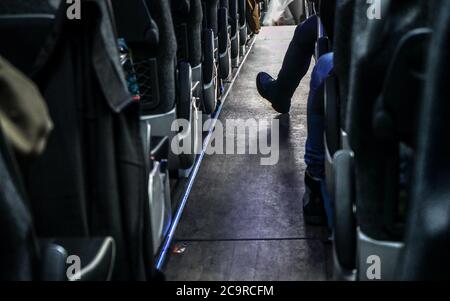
179	212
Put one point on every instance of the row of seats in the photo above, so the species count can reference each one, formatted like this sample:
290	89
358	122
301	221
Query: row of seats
386	172
113	82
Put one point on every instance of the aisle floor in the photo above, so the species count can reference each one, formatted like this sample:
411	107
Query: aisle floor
243	221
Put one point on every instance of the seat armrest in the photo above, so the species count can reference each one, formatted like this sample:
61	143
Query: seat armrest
78	259
185	91
53	262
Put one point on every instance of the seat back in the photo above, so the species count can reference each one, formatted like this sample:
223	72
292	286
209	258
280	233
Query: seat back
148	29
24	53
195	33
187	17
374	56
81	186
234	34
210	11
143	37
165	54
18	251
180	15
427	236
142	30
342	51
242	10
224	54
336	88
382	152
234	16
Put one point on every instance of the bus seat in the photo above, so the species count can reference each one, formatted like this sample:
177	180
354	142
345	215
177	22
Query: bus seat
342	51
428	228
166	89
210	11
24	255
188	28
377	162
74	188
224	41
234	36
211	86
336	90
242	25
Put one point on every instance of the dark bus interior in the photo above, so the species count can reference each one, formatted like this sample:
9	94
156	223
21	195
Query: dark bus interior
91	167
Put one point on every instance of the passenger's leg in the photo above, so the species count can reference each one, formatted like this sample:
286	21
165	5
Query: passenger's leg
315	149
313	200
295	66
298	58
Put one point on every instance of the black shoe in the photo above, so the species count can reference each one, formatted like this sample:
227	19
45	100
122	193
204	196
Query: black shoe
313	204
266	88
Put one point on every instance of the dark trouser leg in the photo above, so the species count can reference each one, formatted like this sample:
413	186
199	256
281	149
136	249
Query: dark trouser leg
297	59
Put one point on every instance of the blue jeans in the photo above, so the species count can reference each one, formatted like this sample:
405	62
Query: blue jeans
315	148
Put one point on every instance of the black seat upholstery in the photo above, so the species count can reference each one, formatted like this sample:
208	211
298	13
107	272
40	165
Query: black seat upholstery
181	16
234	35
210	51
195	33
427	236
82	187
216	19
201	45
167	86
143	29
210	8
382	64
242	7
151	37
188	18
370	63
19	248
224	31
165	55
336	88
24	257
27	49
342	51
